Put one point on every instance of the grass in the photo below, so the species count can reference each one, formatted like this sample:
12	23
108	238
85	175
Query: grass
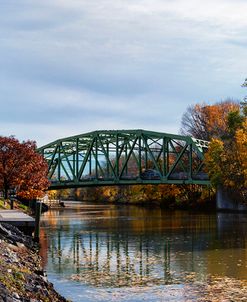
6	205
22	206
2	205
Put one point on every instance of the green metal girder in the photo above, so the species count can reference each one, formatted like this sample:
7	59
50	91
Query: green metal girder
111	157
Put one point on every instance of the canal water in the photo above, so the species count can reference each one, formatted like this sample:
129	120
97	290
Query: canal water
99	252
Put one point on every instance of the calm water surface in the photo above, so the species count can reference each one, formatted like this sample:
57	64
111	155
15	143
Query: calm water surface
94	252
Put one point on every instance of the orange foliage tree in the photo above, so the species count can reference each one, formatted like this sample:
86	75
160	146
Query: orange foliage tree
208	121
226	160
216	123
22	168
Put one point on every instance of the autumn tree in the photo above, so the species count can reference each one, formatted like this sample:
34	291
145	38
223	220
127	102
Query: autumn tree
208	121
22	168
226	160
61	194
224	125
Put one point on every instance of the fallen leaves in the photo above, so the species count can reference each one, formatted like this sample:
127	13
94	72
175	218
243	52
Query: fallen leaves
127	287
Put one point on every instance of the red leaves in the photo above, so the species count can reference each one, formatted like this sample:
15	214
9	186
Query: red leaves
22	168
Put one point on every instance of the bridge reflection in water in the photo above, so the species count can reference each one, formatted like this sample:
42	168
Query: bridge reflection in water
104	260
106	246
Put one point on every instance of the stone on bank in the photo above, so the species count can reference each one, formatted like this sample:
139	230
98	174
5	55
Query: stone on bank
21	274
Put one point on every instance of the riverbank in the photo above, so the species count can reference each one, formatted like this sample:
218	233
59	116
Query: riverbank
21	275
167	196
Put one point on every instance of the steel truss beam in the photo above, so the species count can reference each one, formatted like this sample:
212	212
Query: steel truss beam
120	157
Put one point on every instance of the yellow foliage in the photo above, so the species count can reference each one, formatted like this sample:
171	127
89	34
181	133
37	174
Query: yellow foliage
241	147
226	161
213	159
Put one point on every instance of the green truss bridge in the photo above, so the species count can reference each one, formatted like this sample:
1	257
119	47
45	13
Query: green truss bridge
125	157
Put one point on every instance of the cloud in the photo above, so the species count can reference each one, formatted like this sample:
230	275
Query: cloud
76	66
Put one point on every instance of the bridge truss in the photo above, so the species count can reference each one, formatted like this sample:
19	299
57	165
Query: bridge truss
120	157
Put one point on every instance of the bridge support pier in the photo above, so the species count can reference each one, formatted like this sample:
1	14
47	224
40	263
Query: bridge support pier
225	202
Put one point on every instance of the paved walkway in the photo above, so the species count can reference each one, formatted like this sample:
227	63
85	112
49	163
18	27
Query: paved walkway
16	218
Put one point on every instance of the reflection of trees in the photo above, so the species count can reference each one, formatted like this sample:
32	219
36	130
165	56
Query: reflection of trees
126	249
139	246
110	259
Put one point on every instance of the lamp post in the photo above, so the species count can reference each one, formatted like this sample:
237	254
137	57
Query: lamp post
38	208
12	197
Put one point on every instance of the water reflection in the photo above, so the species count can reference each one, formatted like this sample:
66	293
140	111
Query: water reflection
111	246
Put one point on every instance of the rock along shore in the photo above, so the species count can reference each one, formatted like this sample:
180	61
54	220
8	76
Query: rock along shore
21	276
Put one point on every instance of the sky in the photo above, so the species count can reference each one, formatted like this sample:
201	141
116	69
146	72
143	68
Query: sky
73	66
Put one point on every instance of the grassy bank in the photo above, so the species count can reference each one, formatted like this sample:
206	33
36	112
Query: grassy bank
5	205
